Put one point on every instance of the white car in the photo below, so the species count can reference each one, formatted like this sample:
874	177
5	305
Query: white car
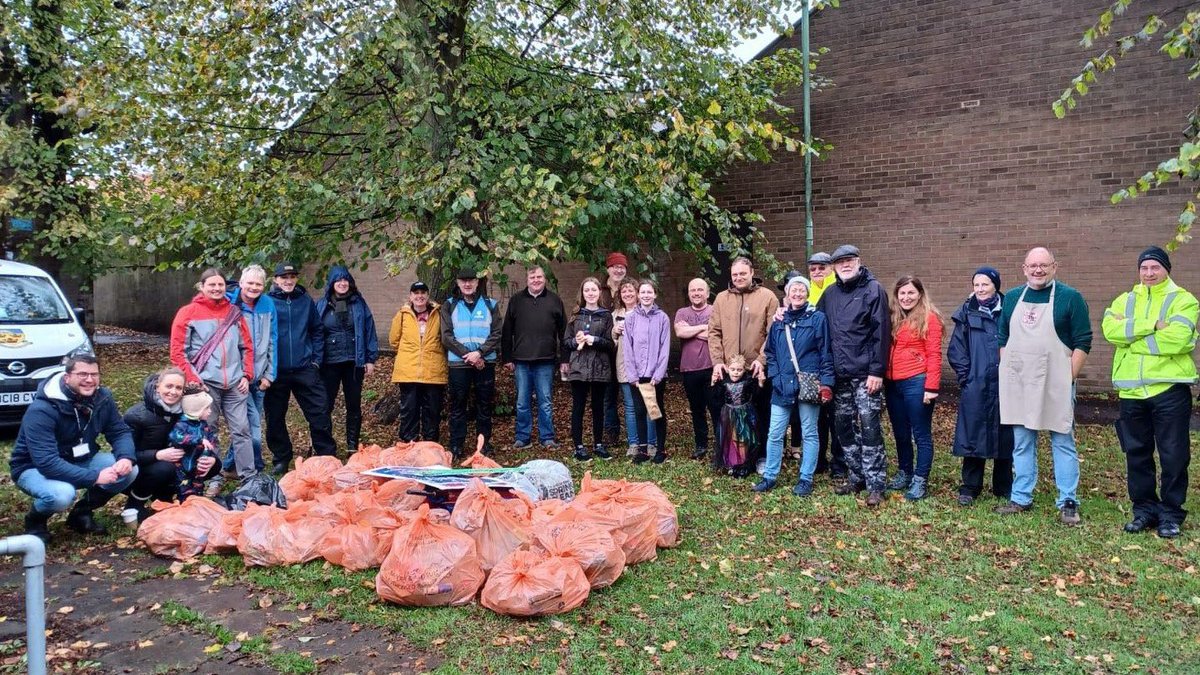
38	329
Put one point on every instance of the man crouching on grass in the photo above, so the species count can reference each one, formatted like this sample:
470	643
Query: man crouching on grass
56	451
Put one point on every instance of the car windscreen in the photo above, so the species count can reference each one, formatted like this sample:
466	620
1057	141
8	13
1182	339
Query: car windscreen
31	300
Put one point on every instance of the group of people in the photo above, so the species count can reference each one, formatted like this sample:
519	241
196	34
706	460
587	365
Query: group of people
824	363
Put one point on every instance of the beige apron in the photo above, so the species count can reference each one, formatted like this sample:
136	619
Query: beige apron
1035	371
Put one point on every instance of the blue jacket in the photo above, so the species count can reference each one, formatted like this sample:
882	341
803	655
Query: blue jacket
301	338
974	355
50	430
264	332
366	340
814	354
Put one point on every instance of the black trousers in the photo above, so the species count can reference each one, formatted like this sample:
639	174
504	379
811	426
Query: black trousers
972	477
158	480
833	461
420	411
464	380
702	401
612	422
762	408
349	378
1157	423
643	417
306	385
580	391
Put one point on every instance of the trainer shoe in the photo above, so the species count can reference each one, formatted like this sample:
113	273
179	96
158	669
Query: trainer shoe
1011	507
582	455
803	488
764	485
1168	530
900	481
1069	513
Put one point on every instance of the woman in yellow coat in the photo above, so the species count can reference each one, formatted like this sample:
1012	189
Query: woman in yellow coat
421	370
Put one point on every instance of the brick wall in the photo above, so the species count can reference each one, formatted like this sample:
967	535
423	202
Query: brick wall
947	155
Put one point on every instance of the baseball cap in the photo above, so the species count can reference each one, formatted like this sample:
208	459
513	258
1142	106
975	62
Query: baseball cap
418	286
286	268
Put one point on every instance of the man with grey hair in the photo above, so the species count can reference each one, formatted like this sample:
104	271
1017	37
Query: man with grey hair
259	311
860	331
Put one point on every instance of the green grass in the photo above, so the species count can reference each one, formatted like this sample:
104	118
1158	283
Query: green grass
775	583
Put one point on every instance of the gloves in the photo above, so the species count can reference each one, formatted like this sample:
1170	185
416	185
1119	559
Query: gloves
826	394
643	380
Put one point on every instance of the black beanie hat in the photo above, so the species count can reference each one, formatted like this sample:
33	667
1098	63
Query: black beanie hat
1155	253
991	273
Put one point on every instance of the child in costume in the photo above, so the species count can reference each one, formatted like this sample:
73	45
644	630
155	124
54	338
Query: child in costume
738	419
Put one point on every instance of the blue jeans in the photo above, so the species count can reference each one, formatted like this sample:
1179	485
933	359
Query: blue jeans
534	377
631	430
911	419
1025	468
56	496
254	413
781	417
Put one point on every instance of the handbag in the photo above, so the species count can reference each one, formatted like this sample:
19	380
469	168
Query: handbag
808	385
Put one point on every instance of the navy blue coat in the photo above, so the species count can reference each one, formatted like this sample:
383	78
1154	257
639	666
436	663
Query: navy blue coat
301	334
810	339
974	355
50	430
366	340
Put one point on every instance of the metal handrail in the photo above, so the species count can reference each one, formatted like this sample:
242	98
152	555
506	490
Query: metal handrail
34	561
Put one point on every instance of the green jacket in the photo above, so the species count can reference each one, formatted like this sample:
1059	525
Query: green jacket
1149	360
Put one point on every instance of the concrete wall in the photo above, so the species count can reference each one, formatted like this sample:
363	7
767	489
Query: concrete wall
142	299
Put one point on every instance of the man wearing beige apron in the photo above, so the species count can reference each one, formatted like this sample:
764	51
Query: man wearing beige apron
1045	336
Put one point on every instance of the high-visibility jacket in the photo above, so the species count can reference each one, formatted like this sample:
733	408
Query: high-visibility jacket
1149	360
816	288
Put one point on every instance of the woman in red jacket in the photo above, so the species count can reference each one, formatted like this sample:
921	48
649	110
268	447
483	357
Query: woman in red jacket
914	374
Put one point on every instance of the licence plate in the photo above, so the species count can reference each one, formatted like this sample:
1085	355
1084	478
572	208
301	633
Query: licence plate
17	398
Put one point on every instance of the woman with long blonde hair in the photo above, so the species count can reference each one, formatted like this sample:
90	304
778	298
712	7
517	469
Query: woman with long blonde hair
914	374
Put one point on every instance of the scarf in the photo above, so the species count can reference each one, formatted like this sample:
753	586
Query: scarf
990	303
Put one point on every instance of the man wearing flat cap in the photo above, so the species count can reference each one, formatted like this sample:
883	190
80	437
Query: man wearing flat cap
860	331
471	324
820	276
420	371
1153	328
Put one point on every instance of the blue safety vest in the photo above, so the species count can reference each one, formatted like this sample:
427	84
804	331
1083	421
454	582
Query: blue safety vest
472	328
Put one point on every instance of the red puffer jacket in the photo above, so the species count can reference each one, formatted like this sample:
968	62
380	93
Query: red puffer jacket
912	356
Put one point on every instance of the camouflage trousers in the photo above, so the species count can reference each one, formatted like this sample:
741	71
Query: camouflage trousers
857	419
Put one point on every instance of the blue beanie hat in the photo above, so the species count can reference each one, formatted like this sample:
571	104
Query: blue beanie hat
991	273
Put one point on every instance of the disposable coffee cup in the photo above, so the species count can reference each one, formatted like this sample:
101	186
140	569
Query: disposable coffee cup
129	516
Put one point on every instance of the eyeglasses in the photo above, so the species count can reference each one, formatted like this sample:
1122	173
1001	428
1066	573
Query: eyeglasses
85	376
1040	266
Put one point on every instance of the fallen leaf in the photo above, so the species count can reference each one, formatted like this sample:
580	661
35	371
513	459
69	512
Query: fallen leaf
669	646
213	648
265	602
131	610
438	642
242	636
145	643
66	609
304	639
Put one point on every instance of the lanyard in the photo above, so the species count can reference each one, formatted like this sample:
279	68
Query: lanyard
80	425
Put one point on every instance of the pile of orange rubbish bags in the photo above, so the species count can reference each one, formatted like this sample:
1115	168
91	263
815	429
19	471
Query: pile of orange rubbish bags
521	558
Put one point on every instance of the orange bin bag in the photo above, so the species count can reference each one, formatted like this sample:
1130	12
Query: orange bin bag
393	494
180	531
311	477
666	517
224	535
480	461
272	536
631	521
351	478
364	540
420	453
496	526
545	510
585	542
430	565
530	583
367	457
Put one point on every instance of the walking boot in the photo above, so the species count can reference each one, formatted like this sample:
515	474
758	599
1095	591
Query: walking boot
641	457
699	453
875	498
900	481
916	489
849	488
659	457
37	524
601	452
81	519
581	454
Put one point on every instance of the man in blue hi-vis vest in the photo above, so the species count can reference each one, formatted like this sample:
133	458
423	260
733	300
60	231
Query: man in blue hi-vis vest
471	324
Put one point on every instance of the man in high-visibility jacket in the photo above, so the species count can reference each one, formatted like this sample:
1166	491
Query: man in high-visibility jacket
1153	328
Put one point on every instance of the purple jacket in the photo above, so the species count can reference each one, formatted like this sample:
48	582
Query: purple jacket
647	344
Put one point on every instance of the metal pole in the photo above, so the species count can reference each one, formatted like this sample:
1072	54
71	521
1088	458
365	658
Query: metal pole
34	559
808	210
